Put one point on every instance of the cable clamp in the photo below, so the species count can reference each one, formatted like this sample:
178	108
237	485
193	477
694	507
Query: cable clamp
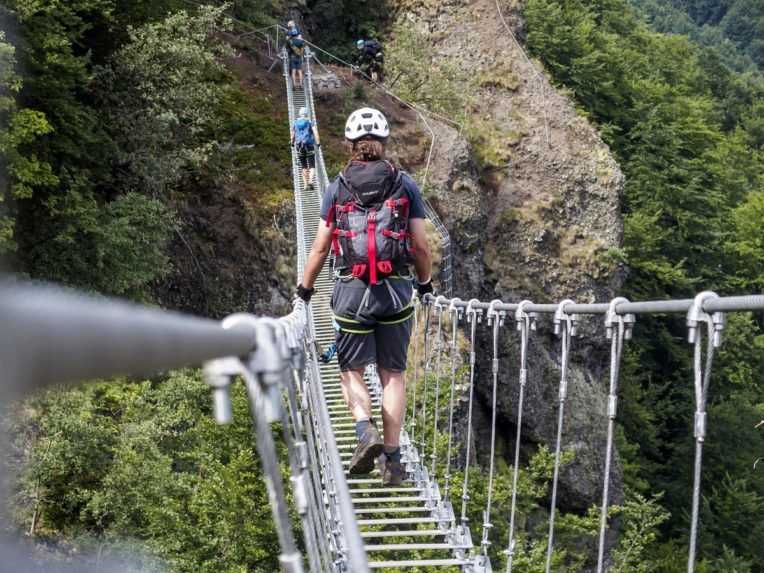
218	375
696	315
474	313
440	304
612	319
700	426
454	310
612	406
523	316
561	317
494	313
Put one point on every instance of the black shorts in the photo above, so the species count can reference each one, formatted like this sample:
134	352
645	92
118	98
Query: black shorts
307	156
373	328
295	63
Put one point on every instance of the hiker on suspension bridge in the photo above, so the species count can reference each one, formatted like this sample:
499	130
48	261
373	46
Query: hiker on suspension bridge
295	49
373	219
305	140
292	28
370	60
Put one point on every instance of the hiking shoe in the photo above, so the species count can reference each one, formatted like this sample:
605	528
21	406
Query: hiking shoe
394	474
369	448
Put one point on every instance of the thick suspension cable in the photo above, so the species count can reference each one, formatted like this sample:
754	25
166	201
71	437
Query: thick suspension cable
564	326
455	313
702	378
410	419
525	323
439	310
423	431
618	328
495	319
473	317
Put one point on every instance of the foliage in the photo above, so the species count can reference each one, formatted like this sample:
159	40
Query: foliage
18	128
160	96
439	86
109	128
144	461
687	132
670	17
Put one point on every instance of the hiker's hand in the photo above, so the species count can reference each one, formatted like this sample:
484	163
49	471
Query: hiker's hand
424	288
305	293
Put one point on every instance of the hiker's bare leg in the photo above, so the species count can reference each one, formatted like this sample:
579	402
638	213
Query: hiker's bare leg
306	177
312	176
393	405
356	394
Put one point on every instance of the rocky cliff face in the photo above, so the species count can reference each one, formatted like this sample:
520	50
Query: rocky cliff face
540	222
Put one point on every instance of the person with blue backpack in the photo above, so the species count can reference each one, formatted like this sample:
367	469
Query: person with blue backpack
295	49
305	140
373	219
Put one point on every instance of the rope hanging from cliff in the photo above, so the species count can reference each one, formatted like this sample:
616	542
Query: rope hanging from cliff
525	323
565	328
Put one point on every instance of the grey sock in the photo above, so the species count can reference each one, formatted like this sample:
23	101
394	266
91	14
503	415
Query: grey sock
360	427
393	454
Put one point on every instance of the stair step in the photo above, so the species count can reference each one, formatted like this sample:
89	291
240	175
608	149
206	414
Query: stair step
403	533
418	563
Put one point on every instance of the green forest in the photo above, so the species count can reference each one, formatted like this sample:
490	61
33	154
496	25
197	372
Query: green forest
116	116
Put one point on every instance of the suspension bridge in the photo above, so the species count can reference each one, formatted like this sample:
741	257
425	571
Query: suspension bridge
349	523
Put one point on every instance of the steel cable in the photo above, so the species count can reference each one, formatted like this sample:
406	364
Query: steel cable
565	328
473	317
423	431
434	455
701	381
454	313
496	320
618	328
525	322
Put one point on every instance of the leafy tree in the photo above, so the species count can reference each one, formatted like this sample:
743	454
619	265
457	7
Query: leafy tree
18	128
687	133
143	466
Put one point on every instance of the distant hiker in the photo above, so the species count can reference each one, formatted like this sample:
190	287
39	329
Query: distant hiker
373	219
305	139
292	28
295	48
370	59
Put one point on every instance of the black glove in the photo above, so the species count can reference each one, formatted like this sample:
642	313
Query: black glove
424	288
305	293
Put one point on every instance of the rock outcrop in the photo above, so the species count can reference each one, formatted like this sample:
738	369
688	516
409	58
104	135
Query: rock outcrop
542	226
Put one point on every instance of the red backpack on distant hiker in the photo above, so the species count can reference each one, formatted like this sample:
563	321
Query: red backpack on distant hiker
371	212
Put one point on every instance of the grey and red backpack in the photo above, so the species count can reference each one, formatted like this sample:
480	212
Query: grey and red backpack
371	238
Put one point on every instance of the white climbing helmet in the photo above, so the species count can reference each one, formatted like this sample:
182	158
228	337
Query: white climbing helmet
366	121
302	112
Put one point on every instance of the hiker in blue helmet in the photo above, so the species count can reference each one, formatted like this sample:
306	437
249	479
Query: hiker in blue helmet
372	217
292	29
305	140
295	50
